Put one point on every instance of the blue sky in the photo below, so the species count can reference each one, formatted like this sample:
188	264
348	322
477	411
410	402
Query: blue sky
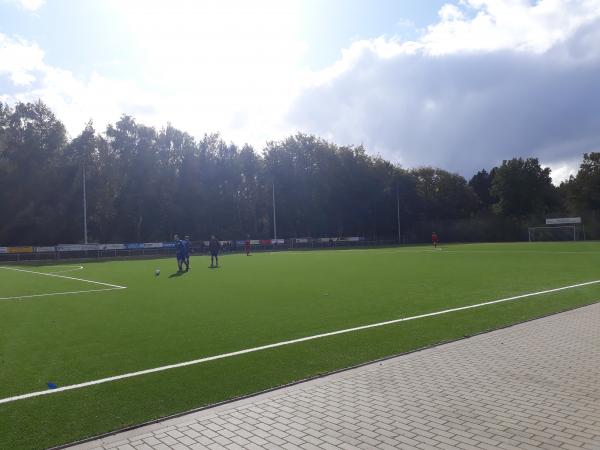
92	34
457	84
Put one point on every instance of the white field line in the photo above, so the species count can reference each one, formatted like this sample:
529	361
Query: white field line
19	297
439	249
450	250
116	286
76	268
111	287
280	344
539	252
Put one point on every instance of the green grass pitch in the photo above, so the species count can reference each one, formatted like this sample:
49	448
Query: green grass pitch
73	337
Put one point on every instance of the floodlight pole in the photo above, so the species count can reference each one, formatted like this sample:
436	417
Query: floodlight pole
398	213
274	214
85	235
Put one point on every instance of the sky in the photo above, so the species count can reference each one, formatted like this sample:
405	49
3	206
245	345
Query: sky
460	84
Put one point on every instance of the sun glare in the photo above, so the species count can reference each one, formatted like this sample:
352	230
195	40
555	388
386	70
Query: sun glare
238	58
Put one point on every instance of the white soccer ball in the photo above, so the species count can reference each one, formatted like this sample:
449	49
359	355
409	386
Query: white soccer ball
157	272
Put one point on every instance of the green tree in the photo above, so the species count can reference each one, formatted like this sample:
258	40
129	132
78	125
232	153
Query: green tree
522	187
32	142
582	192
443	195
481	183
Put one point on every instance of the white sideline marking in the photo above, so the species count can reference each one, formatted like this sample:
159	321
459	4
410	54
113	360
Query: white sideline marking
111	287
279	344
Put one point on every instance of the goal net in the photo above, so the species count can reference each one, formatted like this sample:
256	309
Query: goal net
556	233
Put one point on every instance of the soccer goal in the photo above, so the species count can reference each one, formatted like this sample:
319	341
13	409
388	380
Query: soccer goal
553	233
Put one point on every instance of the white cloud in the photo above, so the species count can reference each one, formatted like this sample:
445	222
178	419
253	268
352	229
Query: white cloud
74	101
228	66
32	5
19	60
487	25
29	5
491	80
561	171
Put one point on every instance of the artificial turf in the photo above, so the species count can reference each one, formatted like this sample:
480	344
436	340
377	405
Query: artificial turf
249	302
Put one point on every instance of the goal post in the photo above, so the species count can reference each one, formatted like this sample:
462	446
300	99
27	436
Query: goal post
557	229
553	233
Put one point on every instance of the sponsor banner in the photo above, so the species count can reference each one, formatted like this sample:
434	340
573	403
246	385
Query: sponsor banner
265	242
134	245
255	242
152	245
352	239
240	242
3	250
44	249
278	241
328	239
563	221
207	243
20	249
168	244
302	240
69	248
111	246
76	247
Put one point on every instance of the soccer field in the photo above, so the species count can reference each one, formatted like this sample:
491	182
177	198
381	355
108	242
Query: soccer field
175	342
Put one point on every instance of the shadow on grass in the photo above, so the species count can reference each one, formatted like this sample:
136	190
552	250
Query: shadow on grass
177	274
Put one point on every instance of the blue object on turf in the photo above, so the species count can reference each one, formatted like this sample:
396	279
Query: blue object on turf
52	386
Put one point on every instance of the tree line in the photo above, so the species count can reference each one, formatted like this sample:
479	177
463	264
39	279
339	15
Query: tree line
145	184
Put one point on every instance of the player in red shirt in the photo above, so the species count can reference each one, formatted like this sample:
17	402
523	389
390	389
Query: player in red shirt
434	239
247	246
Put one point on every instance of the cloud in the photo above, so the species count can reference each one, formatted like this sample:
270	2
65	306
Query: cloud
491	80
19	60
29	5
73	100
562	171
227	66
32	5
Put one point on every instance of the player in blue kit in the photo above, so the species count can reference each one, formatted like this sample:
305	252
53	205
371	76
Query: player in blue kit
187	245
180	252
214	246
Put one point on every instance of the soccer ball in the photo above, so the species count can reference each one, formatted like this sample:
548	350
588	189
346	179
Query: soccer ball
157	272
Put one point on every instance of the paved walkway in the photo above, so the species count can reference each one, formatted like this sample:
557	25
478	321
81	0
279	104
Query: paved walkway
534	385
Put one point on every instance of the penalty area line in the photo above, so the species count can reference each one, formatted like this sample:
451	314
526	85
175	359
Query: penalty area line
76	268
114	286
18	297
282	343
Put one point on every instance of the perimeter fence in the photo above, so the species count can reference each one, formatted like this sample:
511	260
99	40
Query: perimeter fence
161	249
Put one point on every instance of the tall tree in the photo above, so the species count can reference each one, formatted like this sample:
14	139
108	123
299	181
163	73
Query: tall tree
32	141
145	184
444	195
523	187
583	190
481	183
